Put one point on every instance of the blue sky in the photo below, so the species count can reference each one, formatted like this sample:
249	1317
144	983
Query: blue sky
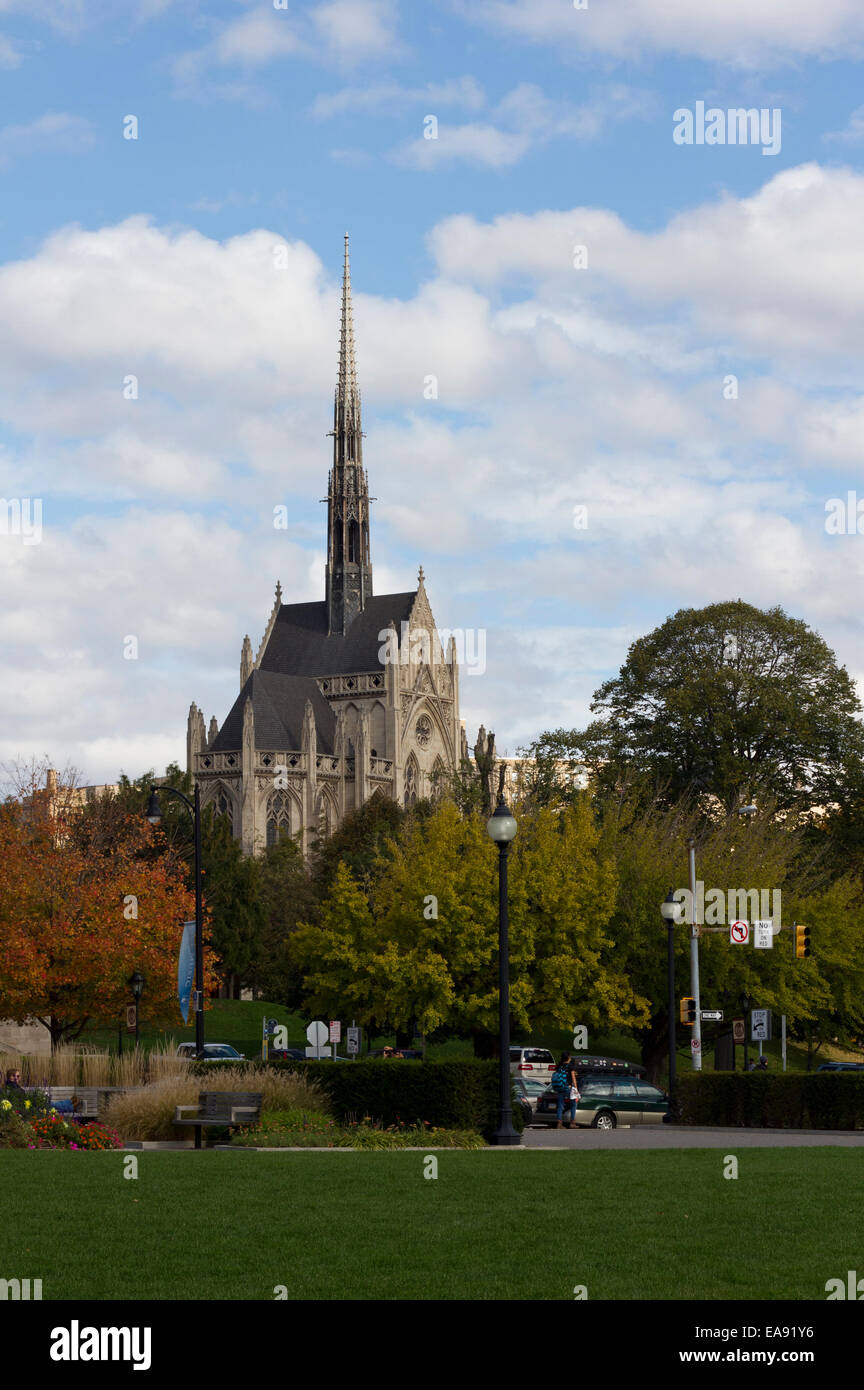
261	129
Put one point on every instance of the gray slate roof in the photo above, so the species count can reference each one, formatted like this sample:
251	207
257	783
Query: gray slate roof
299	645
278	704
299	650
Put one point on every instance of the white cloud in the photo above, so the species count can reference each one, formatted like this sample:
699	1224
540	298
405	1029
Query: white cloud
556	388
56	132
853	132
524	119
356	30
731	31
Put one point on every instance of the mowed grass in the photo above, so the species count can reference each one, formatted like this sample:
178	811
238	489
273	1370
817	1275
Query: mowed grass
513	1225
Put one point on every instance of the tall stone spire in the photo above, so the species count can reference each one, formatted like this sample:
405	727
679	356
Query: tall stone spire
349	567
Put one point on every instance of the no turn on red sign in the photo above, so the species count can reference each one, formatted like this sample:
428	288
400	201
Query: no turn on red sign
739	933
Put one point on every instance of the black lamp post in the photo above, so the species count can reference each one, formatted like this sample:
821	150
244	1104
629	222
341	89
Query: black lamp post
136	983
154	815
672	913
501	827
745	1005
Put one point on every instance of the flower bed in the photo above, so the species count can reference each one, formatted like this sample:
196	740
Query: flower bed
53	1132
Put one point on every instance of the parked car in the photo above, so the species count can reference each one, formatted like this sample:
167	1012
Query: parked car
532	1061
213	1052
283	1054
521	1100
841	1066
608	1101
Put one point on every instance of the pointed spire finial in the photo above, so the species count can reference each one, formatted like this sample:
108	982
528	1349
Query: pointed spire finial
278	591
420	576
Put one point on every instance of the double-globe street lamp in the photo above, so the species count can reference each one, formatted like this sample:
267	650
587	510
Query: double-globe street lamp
501	828
672	913
154	815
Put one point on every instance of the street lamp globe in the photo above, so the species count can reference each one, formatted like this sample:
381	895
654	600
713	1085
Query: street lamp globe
501	827
154	810
671	910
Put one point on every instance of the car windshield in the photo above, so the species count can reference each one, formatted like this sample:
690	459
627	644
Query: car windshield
221	1050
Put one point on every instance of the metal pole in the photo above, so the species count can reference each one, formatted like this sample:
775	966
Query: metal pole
199	932
783	1039
505	1133
137	1036
696	1039
672	1033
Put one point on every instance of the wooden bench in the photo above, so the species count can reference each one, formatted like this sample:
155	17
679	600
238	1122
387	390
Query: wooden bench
85	1101
222	1109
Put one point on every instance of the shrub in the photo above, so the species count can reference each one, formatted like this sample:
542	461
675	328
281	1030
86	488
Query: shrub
296	1130
795	1100
460	1095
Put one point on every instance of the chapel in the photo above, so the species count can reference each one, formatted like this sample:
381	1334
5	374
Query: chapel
344	696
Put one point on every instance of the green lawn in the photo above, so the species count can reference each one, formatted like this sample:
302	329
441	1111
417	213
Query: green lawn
516	1225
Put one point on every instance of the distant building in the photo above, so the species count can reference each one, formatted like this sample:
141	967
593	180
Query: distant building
344	696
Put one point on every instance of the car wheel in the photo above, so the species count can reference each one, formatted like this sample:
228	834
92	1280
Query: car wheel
604	1119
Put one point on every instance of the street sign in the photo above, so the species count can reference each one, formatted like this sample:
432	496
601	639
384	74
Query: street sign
760	1025
739	933
712	1015
763	935
695	1045
317	1035
335	1031
353	1040
739	1030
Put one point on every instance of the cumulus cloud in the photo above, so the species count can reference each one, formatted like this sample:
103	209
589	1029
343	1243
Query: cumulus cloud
508	391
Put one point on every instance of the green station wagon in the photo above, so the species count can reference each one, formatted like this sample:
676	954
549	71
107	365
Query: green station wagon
608	1101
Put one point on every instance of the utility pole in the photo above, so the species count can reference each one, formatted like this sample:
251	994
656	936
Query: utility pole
696	1039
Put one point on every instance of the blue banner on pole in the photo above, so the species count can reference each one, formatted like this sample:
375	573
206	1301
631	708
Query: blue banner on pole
186	968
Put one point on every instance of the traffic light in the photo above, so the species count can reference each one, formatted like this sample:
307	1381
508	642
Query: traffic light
687	1012
802	939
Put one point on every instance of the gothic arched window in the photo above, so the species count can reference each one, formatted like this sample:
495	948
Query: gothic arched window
411	782
225	806
280	817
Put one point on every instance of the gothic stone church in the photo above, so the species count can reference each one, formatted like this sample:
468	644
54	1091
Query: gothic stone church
322	721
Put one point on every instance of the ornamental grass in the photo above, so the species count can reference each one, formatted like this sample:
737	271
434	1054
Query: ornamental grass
148	1114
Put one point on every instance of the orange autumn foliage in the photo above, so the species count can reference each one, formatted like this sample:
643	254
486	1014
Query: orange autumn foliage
74	925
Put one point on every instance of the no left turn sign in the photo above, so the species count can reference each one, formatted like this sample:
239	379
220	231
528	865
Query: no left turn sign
739	933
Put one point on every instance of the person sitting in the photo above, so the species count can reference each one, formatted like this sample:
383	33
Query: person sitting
13	1079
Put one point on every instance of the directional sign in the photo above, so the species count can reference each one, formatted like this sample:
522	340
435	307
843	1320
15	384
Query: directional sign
712	1015
763	935
760	1025
739	933
739	1030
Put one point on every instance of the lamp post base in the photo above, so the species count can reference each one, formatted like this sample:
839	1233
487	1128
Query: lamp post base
505	1134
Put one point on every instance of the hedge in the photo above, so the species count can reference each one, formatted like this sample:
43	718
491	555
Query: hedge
449	1095
796	1100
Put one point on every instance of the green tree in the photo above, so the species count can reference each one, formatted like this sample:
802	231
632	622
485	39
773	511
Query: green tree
730	700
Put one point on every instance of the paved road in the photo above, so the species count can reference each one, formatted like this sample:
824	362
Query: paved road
687	1137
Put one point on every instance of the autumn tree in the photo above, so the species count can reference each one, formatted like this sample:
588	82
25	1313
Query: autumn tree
75	923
